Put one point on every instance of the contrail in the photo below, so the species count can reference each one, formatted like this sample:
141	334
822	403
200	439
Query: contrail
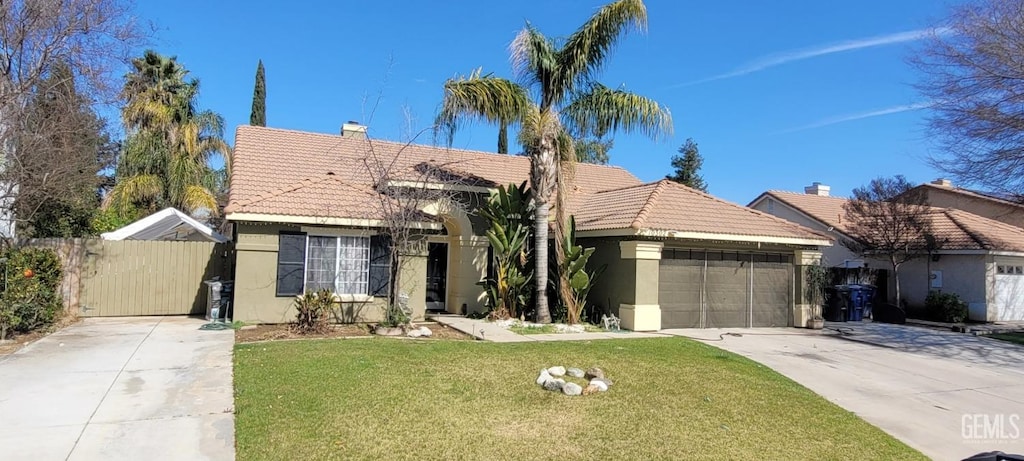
779	59
860	116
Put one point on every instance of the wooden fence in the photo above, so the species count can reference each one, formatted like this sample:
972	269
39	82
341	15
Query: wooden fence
104	278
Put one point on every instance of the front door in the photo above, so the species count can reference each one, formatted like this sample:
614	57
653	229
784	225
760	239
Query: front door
437	274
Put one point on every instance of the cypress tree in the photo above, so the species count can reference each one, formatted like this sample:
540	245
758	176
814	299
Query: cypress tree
259	99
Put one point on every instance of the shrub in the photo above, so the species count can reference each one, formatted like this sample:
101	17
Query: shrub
945	307
313	312
30	298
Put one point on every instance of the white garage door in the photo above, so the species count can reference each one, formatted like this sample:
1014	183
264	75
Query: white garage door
1009	293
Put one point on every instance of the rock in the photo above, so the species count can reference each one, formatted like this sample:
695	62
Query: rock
414	333
249	327
572	389
556	371
606	381
591	389
554	384
594	373
574	372
425	332
563	328
544	377
599	384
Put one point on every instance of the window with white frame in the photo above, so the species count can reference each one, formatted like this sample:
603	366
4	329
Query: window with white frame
340	264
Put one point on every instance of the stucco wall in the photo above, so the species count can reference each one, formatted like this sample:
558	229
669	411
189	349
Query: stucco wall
1008	214
964	275
618	279
255	298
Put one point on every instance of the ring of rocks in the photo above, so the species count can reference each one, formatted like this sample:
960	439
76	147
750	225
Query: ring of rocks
555	379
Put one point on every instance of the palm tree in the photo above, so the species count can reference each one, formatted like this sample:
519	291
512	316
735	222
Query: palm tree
165	161
569	100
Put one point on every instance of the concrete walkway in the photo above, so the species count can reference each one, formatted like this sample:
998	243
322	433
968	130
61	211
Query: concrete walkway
924	387
120	389
488	331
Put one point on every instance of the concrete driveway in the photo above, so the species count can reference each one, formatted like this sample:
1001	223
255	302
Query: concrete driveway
940	392
151	388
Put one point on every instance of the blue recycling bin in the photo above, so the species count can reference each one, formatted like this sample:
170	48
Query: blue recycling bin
860	301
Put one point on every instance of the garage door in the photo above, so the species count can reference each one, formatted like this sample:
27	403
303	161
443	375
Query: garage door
1009	293
716	289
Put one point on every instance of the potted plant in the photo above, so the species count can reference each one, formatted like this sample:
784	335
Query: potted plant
816	281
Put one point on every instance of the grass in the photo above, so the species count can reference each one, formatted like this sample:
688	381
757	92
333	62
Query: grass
1017	338
394	399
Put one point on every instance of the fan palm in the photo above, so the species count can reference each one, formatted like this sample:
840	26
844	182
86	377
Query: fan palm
166	157
557	95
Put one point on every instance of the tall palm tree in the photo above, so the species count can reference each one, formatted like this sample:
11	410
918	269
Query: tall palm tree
170	141
561	76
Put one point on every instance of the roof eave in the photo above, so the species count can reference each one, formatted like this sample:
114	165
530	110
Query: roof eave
324	221
688	235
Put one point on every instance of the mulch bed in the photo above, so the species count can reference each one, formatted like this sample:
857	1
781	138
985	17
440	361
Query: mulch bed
20	340
285	332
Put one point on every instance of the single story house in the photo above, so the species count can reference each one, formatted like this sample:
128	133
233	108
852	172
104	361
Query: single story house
306	215
980	259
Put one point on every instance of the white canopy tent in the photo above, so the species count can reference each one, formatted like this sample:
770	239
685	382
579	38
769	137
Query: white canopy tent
167	224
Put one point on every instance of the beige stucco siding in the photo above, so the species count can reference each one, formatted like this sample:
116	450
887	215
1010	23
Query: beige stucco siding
1001	212
964	275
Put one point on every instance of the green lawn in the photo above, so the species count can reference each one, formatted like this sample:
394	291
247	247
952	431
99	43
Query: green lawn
1011	337
398	399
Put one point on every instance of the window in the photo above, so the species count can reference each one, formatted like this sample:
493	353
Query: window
343	264
1010	270
339	264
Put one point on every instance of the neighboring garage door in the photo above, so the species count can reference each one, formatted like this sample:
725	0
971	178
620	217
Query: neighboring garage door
722	289
1009	293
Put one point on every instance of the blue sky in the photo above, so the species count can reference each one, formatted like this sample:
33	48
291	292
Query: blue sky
777	94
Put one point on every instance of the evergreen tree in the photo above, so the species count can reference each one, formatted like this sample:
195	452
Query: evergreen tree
62	145
687	167
259	99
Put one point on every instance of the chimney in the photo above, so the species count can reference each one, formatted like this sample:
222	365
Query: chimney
352	129
943	182
817	188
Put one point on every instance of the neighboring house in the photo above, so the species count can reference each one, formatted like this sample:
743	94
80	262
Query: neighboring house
305	215
942	193
980	259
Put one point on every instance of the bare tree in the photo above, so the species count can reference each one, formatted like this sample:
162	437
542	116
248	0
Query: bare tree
91	38
973	76
890	221
406	189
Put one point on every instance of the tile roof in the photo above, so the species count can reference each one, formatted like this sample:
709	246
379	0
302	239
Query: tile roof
669	206
826	209
284	172
954	229
294	173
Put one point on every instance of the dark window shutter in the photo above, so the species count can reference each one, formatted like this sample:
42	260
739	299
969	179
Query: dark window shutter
380	265
291	264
